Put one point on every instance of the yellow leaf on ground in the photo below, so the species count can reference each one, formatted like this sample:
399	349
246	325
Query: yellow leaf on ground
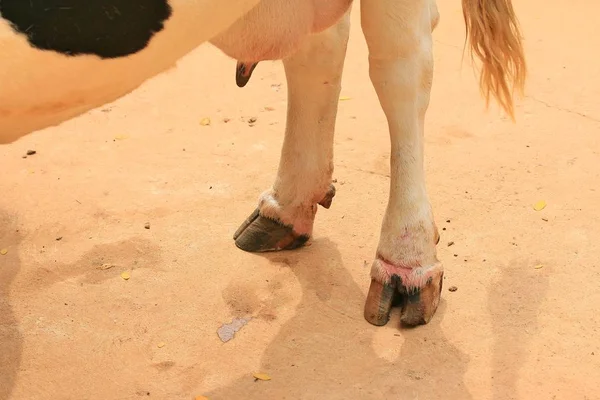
205	121
3	251
539	206
161	345
538	266
262	377
344	98
125	275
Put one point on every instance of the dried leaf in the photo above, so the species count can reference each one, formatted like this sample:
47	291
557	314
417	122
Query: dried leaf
125	275
161	345
344	98
261	377
539	206
205	121
3	251
539	266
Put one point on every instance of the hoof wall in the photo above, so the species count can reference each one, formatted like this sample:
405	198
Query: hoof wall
261	234
418	304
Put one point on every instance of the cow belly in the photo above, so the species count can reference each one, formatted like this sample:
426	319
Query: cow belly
40	88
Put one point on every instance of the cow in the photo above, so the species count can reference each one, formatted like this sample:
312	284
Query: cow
61	58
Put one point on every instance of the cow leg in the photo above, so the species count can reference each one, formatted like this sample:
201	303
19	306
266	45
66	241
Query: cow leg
398	34
285	214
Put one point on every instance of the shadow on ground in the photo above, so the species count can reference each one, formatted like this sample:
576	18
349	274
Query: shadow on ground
422	364
514	301
11	341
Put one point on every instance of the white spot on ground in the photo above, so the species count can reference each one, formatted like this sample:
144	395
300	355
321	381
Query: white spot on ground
227	331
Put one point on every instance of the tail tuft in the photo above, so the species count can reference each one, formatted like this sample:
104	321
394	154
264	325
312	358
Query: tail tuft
494	37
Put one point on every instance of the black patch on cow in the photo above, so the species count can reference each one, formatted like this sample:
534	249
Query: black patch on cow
106	28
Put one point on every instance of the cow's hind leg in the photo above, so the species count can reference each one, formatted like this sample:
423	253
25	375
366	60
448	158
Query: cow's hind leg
398	34
285	214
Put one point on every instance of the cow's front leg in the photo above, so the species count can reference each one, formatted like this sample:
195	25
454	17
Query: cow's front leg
286	212
398	34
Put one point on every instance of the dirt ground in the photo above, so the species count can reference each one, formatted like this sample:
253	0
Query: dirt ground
71	330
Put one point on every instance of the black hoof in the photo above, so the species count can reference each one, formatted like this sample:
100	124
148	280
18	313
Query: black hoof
261	234
421	304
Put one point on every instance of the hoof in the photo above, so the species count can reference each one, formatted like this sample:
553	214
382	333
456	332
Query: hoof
418	304
261	234
421	303
379	303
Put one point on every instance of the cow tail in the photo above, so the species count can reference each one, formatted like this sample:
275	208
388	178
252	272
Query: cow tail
494	37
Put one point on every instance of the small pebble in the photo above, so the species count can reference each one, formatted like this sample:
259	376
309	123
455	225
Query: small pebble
452	288
450	244
59	238
31	152
147	225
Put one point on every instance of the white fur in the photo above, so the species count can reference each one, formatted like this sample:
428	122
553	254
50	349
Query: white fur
398	34
314	77
43	88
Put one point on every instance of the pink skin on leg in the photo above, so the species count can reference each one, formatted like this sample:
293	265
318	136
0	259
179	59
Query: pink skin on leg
410	277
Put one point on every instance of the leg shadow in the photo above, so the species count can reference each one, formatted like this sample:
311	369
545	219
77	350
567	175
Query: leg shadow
11	341
514	302
328	351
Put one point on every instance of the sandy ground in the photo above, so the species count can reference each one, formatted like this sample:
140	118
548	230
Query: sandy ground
72	331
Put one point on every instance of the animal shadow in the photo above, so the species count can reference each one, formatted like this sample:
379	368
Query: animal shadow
11	340
328	351
514	301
